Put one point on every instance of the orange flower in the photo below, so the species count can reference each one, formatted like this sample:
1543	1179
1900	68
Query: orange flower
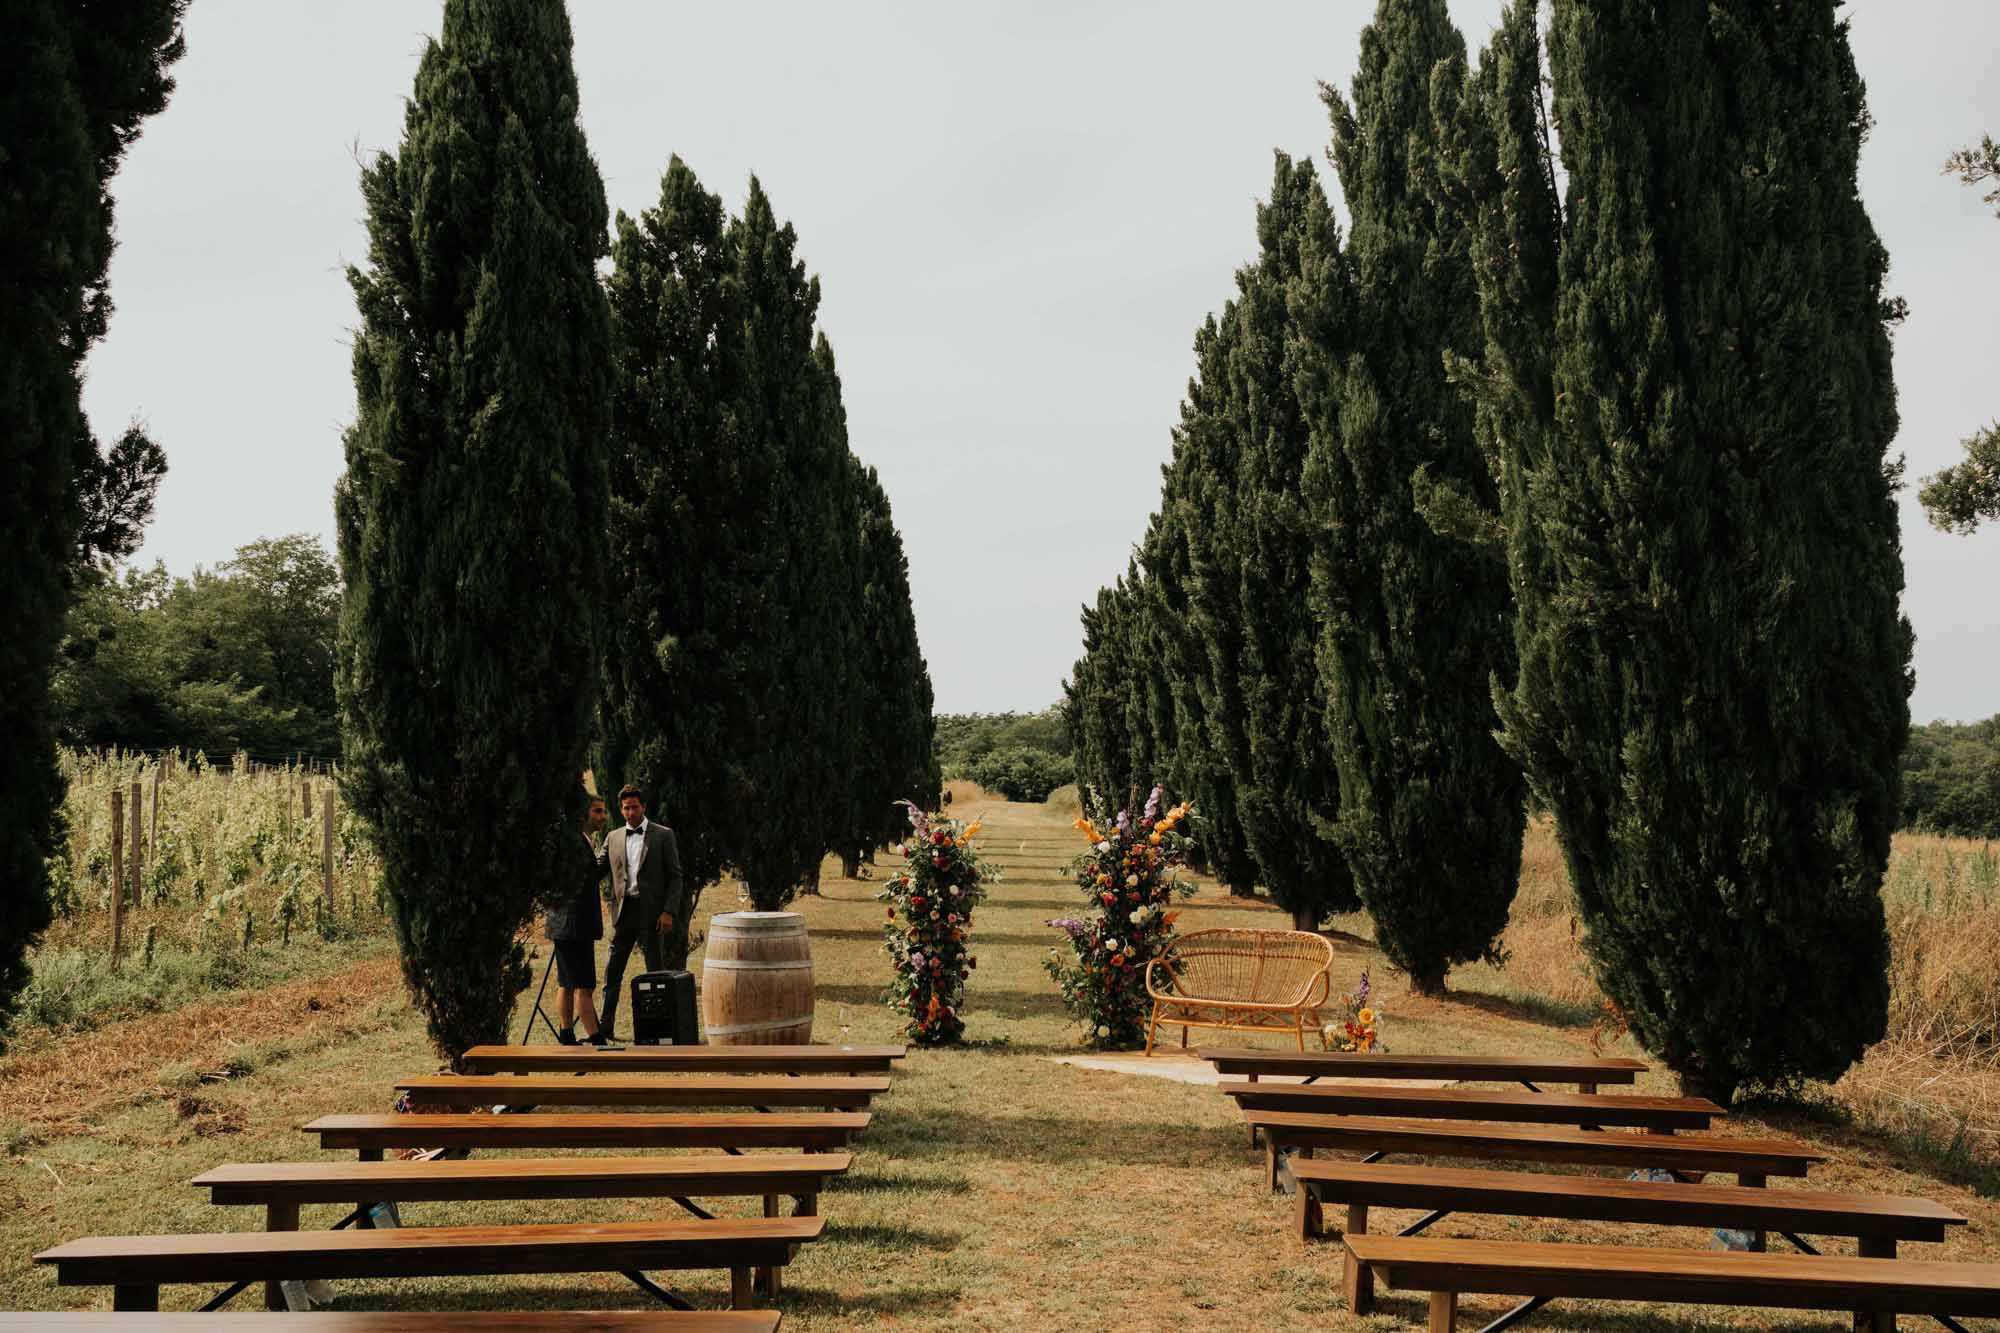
972	829
1171	917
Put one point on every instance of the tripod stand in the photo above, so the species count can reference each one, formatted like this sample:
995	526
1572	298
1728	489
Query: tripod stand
539	1012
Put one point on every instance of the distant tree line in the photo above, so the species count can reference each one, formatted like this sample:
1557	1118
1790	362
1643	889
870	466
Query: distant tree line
1951	779
1561	476
1021	756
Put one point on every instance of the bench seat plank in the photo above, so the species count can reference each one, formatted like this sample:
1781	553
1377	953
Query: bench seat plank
1539	1108
404	1321
682	1059
519	1178
430	1251
1704	1277
1482	1069
639	1090
811	1130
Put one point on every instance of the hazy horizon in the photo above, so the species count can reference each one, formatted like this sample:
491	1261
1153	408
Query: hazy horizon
1019	217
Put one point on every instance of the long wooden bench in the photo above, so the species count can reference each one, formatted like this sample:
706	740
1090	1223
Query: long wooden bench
1876	1221
835	1094
1875	1289
370	1135
1659	1114
1750	1160
283	1187
405	1321
135	1267
582	1059
1588	1073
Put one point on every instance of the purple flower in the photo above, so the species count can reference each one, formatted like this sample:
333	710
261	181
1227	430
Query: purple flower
1069	925
1124	821
1361	991
1153	805
919	821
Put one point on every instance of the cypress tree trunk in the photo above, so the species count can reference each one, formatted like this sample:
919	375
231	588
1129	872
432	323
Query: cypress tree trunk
1416	625
74	86
1714	674
472	513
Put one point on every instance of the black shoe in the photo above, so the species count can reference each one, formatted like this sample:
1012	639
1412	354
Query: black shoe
598	1038
566	1037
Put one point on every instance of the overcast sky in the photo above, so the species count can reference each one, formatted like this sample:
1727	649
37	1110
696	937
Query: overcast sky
1020	213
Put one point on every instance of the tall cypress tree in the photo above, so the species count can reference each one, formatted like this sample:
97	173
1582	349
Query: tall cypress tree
1714	674
75	84
472	513
1415	624
1288	792
898	755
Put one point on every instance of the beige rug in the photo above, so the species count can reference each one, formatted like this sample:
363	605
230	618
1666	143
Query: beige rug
1187	1069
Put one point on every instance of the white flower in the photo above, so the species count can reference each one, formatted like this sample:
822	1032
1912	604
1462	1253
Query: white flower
1111	945
916	958
1103	1031
1103	846
954	890
1133	917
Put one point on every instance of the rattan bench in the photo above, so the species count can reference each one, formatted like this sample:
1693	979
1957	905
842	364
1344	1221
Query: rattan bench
1239	981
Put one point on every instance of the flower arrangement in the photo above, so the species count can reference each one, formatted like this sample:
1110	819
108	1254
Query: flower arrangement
1129	877
1358	1028
929	917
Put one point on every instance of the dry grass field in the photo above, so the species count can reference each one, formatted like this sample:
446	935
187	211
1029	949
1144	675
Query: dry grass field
996	1189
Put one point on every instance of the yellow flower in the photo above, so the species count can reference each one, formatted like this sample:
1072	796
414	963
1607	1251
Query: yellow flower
972	829
1365	1017
1154	839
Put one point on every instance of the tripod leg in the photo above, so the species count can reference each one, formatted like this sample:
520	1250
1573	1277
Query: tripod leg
529	1030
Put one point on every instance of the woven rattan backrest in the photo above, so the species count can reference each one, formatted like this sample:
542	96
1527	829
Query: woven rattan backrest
1252	966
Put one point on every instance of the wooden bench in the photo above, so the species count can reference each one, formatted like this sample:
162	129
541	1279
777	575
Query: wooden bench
1241	980
618	1090
370	1135
1750	1160
1659	1114
582	1059
1875	1289
1877	1222
135	1267
1586	1072
406	1321
282	1187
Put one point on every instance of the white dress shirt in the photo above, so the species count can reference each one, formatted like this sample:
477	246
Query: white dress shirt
635	842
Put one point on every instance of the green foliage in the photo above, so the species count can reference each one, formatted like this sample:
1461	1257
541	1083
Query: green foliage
965	738
1960	497
75	84
472	513
897	746
1021	772
1978	165
238	658
1951	779
1713	682
1413	624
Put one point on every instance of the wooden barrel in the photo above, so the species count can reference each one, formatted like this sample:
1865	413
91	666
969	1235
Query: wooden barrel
757	980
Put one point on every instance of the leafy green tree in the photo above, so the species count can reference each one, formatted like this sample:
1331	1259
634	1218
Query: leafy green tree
1951	779
472	513
76	82
1256	572
1713	680
1414	626
1960	497
1978	165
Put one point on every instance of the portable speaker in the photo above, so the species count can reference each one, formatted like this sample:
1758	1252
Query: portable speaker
663	1009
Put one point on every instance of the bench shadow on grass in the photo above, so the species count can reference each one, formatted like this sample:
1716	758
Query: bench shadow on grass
979	937
1056	1139
1004	1004
876	1182
1524	1008
702	1293
1413	1311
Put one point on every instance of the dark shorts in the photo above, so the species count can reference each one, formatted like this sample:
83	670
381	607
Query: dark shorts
576	964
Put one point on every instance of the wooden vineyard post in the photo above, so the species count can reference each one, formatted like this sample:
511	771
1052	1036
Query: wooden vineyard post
153	815
138	843
326	845
117	873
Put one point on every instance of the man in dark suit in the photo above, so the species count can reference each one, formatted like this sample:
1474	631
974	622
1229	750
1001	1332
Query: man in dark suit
574	929
647	895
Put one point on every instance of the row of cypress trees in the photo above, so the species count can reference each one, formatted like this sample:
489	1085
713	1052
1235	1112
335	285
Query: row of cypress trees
76	83
577	506
1564	473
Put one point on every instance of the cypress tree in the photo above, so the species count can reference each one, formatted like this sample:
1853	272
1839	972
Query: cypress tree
1263	538
471	518
897	759
1714	674
75	84
1415	623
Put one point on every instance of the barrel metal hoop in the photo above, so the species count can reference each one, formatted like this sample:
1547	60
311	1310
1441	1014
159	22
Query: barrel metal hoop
729	1029
742	965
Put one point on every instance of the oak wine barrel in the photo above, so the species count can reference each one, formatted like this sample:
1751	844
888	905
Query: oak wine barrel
757	980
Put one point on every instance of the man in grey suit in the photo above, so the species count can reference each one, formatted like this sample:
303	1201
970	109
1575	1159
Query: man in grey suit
647	895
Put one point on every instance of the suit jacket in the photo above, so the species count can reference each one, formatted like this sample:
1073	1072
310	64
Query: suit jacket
582	917
660	886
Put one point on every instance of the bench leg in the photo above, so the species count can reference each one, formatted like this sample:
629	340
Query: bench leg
1306	1216
1358	1279
1758	1241
805	1205
767	1278
368	1155
277	1217
1444	1311
1875	1321
741	1294
1587	1089
135	1296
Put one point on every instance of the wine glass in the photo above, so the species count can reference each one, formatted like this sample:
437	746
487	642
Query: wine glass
742	895
845	1027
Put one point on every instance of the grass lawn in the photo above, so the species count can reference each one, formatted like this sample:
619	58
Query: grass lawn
995	1189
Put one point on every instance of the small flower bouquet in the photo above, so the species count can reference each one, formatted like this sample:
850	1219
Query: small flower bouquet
1358	1028
930	915
1128	876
